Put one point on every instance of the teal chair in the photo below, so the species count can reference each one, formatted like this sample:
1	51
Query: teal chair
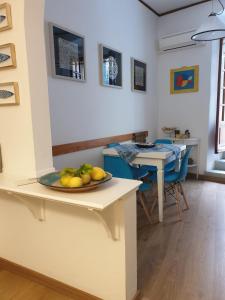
118	167
169	166
163	141
112	145
173	182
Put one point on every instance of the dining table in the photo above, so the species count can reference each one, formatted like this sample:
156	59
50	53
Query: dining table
158	158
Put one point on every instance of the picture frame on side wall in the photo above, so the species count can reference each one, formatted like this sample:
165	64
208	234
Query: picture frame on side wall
7	56
5	17
9	94
184	80
110	67
67	53
138	75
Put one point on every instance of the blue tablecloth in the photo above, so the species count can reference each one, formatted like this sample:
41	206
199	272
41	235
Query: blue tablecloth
128	152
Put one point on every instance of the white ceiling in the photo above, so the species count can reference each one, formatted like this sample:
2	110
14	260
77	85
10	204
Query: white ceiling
162	6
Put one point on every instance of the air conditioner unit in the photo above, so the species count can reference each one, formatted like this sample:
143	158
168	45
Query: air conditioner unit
178	41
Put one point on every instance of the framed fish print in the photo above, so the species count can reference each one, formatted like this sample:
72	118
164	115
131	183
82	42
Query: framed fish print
184	80
110	67
5	17
9	93
68	54
7	56
138	72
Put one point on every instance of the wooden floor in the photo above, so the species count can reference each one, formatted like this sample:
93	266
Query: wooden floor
14	287
185	260
176	260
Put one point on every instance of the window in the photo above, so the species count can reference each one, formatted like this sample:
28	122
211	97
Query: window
220	119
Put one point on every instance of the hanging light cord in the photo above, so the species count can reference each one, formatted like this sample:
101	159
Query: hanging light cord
219	13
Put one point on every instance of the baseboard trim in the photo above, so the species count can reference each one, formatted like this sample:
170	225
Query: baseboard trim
207	178
51	283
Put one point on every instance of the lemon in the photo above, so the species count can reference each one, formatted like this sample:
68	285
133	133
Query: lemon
68	171
97	173
75	182
86	178
64	180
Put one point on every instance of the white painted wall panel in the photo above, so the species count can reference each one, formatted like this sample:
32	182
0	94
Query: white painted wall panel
193	111
82	111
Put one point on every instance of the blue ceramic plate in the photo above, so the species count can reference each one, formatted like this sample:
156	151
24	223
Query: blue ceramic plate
51	181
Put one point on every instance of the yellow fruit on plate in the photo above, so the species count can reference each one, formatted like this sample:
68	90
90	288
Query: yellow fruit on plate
98	173
64	180
86	178
75	182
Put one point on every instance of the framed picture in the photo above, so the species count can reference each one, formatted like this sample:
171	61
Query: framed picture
138	72
9	93
184	80
7	56
5	17
111	67
68	54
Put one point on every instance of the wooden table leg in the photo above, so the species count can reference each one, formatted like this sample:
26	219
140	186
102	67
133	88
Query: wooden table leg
160	181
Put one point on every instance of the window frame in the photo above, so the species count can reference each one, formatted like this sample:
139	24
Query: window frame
220	124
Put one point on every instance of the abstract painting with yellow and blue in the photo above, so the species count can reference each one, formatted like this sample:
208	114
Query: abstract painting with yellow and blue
184	80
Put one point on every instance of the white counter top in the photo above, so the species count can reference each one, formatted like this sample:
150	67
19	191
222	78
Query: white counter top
99	198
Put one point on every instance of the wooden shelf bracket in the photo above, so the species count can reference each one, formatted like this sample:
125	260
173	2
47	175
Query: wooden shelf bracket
35	206
110	219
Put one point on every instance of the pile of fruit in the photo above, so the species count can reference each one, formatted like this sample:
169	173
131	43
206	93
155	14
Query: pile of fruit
72	177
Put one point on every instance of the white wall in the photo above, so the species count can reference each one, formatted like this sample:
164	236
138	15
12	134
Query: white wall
25	135
16	137
83	111
193	111
37	70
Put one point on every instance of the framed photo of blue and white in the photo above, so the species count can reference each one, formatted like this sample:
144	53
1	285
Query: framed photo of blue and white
9	94
139	74
7	56
68	53
5	17
110	67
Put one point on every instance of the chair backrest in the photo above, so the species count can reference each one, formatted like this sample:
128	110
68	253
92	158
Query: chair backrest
112	145
163	141
118	167
184	165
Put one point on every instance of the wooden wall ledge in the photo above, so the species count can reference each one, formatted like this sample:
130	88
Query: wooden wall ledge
90	144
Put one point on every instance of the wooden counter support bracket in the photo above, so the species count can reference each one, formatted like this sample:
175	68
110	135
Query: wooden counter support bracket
36	207
110	219
108	205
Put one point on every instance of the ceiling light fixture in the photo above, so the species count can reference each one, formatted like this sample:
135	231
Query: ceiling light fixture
213	28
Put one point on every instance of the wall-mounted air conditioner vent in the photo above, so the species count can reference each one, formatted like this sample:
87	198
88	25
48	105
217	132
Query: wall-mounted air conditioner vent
178	41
